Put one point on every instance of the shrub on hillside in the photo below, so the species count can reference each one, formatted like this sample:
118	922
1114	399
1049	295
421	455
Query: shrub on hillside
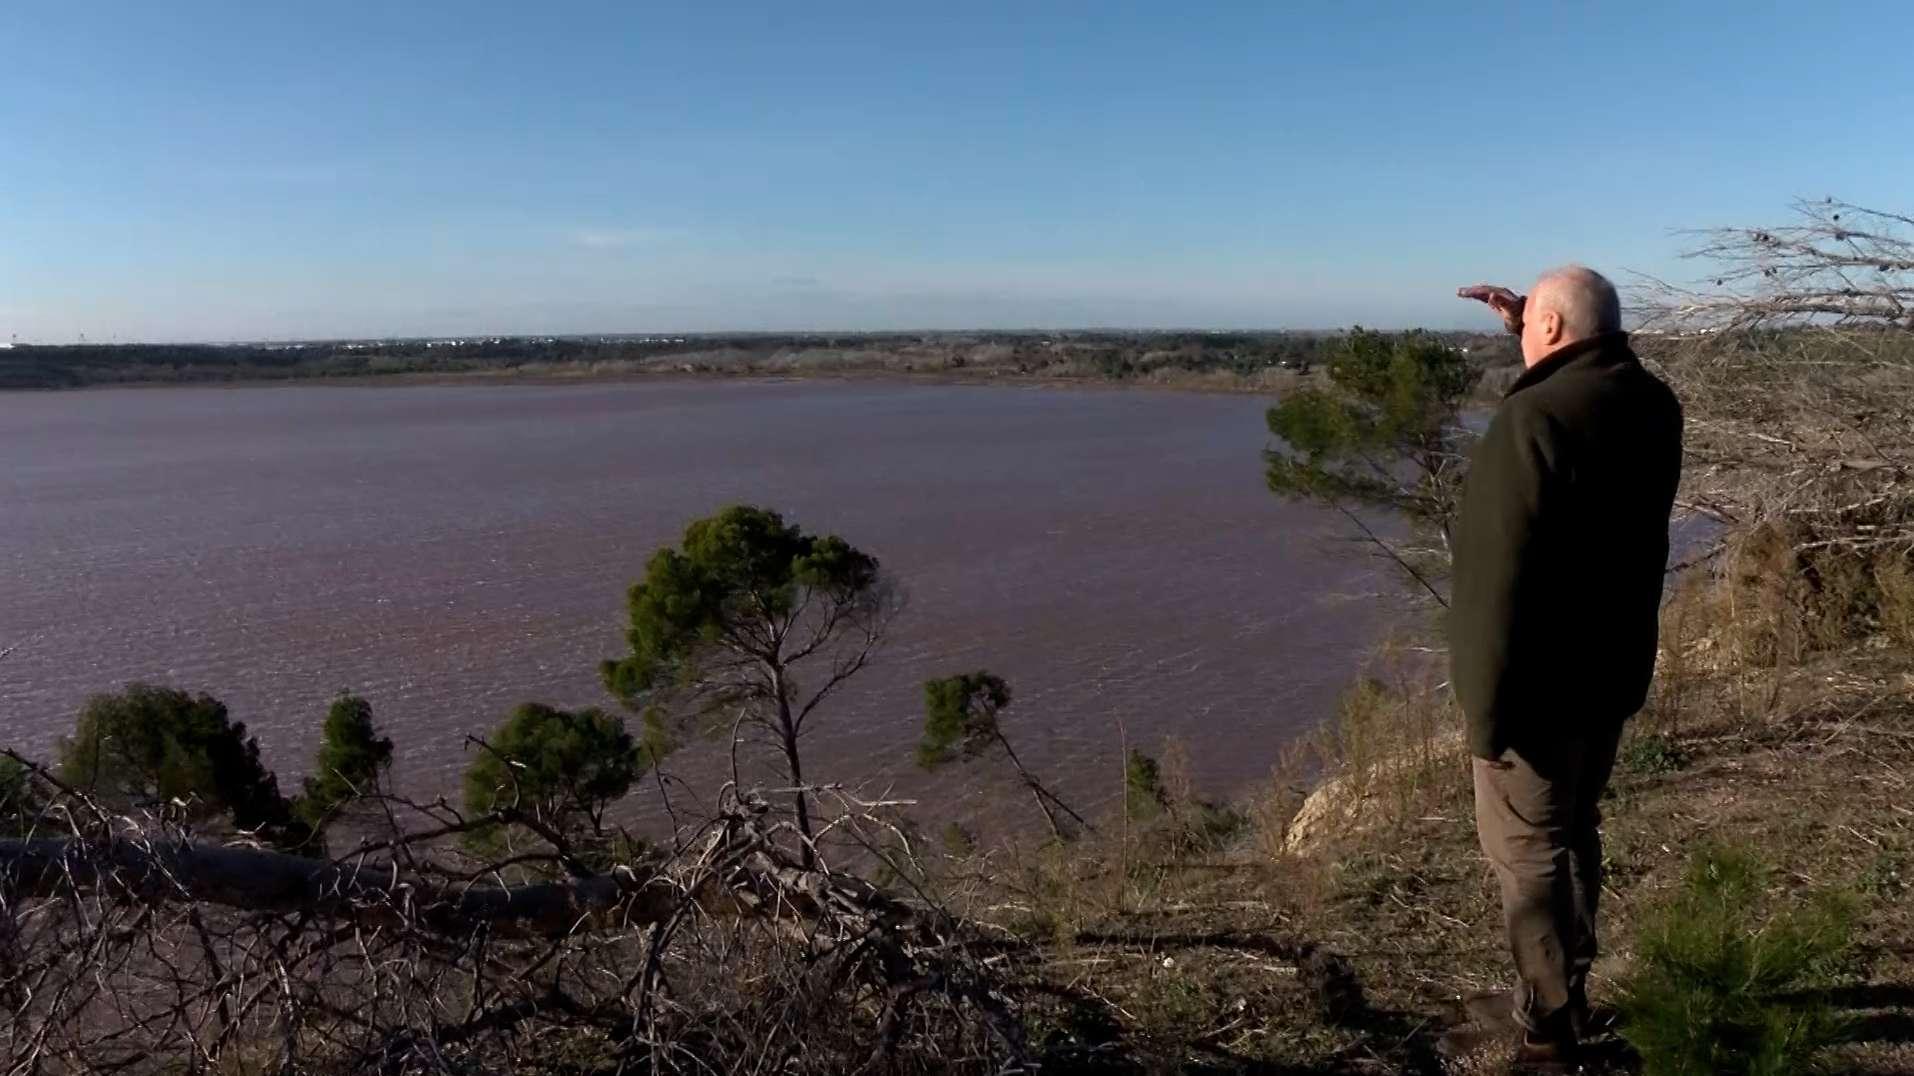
749	626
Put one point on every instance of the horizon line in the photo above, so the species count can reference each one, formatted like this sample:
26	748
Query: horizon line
475	337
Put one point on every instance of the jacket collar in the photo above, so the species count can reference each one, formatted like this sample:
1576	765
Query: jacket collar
1610	346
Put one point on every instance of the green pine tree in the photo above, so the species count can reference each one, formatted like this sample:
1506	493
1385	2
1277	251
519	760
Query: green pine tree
352	758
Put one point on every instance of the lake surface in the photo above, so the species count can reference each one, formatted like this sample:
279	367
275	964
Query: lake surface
451	551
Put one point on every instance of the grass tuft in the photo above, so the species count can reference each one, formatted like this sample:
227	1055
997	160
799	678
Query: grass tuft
1653	753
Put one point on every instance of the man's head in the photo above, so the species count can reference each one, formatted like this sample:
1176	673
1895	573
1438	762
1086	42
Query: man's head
1567	304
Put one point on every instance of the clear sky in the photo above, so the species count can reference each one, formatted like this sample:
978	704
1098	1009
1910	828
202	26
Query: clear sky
187	170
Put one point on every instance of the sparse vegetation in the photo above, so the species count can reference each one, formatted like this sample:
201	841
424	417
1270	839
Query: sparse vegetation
1143	796
21	798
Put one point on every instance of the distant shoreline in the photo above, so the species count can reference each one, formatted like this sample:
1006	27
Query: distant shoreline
1211	362
553	378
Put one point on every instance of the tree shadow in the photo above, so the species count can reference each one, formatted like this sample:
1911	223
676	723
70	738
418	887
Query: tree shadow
1876	1012
1093	1038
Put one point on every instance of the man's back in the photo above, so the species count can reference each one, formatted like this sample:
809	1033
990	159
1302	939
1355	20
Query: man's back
1561	546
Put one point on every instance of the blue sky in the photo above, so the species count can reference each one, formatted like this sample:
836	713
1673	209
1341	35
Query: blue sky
266	170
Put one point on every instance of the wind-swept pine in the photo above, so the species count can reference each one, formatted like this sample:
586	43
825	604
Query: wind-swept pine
1384	432
352	757
752	623
161	748
962	721
557	771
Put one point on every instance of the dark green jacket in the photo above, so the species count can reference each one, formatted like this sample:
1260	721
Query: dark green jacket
1560	548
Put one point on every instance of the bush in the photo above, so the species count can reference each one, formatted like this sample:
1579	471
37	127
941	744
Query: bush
1394	746
1143	795
1719	987
155	746
556	767
958	840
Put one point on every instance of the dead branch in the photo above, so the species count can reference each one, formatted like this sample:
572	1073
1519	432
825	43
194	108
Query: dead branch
126	943
1835	263
368	893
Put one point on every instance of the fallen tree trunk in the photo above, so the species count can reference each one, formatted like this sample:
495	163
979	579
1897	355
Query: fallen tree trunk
119	943
371	893
741	880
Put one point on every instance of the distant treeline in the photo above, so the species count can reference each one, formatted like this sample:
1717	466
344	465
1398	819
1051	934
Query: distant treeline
1087	354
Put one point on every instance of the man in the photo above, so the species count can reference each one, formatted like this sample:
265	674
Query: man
1559	554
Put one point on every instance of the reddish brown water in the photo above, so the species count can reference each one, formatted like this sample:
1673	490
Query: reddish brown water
450	551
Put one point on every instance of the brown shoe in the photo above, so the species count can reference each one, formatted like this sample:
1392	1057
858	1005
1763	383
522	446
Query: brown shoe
1591	1022
1458	1043
1493	1012
1546	1056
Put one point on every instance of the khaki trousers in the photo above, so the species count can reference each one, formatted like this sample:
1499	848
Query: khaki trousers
1537	814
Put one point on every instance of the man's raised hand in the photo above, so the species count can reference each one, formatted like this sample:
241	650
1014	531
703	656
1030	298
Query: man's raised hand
1506	304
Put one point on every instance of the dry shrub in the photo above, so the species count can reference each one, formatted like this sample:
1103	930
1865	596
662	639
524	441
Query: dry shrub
129	944
1760	609
1193	825
1783	593
1395	736
1178	773
1392	753
1274	807
1684	623
1841	598
1894	580
1799	444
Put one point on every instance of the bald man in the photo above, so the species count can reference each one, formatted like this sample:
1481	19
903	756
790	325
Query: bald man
1560	549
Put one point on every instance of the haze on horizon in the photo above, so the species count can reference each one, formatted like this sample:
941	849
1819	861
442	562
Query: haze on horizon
204	171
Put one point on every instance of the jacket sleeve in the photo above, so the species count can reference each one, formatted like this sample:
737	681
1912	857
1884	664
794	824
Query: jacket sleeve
1500	576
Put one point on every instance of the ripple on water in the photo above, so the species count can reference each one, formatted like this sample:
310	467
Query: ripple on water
451	551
